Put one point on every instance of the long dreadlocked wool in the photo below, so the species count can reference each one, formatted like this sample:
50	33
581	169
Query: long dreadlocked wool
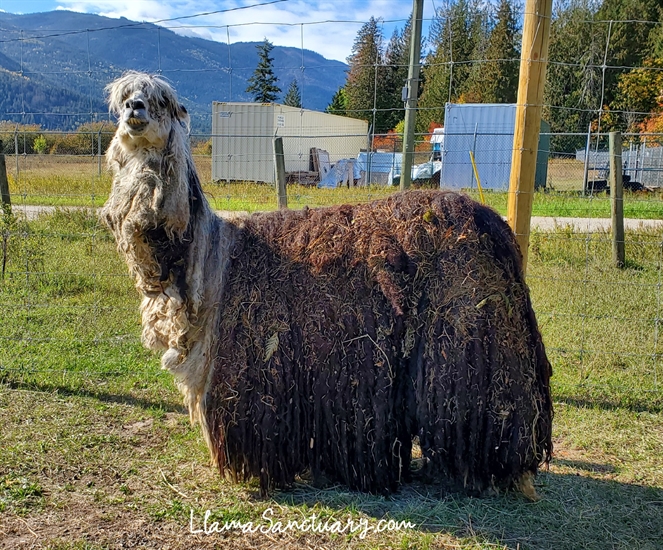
326	340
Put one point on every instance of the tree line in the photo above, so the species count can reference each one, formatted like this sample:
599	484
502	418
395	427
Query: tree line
91	138
605	65
461	32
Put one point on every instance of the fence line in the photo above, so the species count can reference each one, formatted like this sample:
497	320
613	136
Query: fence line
63	279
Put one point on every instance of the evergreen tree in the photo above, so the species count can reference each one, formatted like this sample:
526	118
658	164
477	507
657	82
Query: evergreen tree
457	34
573	85
630	35
633	43
293	97
339	103
496	80
366	84
263	82
397	59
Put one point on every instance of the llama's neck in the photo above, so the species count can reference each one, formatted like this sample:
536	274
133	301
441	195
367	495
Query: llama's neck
173	243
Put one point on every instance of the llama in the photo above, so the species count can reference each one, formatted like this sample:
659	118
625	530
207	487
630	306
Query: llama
325	341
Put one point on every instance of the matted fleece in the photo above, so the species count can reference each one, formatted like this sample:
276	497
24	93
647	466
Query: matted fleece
347	332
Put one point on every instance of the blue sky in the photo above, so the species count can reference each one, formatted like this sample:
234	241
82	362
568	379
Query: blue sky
280	22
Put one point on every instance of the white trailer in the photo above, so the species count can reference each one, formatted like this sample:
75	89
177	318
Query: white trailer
242	135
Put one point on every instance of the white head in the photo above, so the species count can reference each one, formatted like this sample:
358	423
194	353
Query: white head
146	106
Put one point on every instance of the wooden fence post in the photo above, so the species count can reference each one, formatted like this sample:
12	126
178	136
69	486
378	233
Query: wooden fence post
617	199
279	171
533	62
4	183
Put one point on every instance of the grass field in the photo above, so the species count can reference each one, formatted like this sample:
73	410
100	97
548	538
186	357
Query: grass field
78	181
96	451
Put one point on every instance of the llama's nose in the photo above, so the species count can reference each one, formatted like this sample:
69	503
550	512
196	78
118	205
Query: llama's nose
135	104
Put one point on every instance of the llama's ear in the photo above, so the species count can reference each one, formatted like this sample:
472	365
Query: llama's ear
183	115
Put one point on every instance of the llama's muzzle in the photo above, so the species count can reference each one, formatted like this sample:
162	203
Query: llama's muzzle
135	123
135	115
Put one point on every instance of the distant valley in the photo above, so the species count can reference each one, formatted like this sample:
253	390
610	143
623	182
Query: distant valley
54	66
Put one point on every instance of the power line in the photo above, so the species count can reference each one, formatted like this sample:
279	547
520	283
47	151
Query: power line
130	25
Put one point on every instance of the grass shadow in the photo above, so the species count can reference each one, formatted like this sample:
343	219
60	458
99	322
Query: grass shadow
159	404
575	511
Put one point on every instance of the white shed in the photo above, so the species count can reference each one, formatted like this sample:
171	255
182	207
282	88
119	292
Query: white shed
242	135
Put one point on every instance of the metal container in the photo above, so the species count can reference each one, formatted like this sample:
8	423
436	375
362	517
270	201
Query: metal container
486	130
242	135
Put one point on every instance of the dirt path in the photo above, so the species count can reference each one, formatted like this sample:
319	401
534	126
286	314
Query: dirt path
591	225
582	225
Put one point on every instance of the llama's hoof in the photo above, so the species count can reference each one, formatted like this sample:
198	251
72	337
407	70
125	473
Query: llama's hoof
526	486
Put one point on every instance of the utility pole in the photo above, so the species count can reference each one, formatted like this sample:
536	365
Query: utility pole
533	63
411	92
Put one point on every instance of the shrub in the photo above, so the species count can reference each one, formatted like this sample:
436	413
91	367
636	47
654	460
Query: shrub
40	144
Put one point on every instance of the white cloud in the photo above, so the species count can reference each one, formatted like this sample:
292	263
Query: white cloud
281	23
136	10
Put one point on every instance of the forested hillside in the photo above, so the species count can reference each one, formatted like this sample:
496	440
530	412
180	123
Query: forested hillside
606	66
59	62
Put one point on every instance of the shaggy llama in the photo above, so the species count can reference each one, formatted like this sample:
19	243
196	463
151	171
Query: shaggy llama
325	341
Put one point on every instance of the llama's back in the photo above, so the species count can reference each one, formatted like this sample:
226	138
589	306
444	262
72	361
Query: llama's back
346	331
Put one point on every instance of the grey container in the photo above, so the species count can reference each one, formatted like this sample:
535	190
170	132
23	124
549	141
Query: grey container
487	130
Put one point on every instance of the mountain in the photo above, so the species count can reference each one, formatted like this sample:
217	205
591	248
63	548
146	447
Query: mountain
54	66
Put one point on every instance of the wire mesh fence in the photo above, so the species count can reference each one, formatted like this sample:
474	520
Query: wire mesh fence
69	306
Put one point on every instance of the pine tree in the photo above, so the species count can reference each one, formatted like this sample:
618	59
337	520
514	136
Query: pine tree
633	43
629	35
339	103
456	36
263	82
293	97
396	59
573	84
496	80
365	88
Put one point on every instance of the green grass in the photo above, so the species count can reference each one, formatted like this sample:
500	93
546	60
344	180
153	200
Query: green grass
571	204
97	452
76	181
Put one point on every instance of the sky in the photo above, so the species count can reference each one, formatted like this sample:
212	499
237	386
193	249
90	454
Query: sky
280	21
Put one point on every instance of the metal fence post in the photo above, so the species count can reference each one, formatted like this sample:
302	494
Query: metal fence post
4	183
585	176
99	149
617	199
16	150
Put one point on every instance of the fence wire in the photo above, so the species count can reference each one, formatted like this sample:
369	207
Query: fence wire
68	306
